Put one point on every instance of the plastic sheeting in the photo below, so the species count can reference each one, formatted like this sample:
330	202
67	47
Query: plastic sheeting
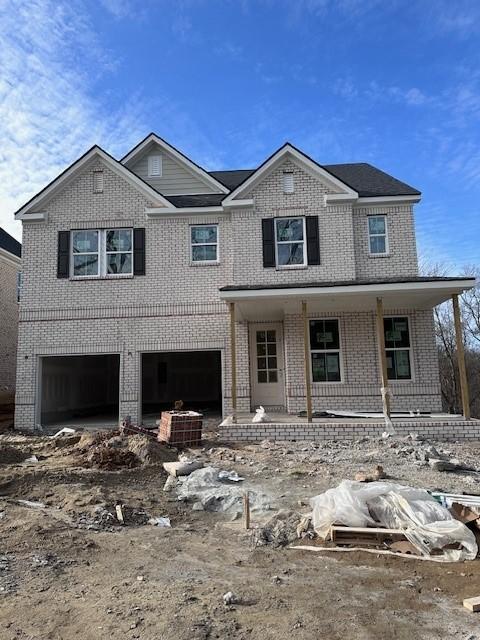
425	522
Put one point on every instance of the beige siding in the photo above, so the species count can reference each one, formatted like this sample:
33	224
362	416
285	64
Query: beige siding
175	179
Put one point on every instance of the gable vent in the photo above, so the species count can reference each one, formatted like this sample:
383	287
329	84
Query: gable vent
98	182
154	166
288	186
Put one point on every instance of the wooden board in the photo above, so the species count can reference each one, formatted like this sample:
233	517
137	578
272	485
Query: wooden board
472	604
364	535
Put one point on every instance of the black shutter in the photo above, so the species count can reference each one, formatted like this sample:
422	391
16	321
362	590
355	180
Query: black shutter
139	252
63	254
268	242
313	240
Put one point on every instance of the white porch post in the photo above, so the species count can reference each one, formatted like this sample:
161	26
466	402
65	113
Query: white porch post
461	357
306	351
233	360
383	358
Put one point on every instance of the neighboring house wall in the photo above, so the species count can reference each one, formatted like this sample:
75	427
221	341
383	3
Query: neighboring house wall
175	178
8	327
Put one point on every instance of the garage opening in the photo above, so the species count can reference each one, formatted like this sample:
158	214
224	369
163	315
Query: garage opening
80	390
192	376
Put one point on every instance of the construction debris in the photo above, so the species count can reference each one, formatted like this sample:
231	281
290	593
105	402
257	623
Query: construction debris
472	604
377	474
182	468
280	530
402	512
162	521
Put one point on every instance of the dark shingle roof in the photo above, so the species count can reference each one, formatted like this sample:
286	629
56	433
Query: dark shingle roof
203	200
364	178
338	283
231	179
10	244
368	181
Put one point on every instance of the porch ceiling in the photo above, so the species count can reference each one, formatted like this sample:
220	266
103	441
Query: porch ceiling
274	301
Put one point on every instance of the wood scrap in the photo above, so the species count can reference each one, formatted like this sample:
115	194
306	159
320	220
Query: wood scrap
464	513
119	511
364	535
472	604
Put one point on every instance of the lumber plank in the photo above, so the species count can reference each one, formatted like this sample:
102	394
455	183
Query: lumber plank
472	604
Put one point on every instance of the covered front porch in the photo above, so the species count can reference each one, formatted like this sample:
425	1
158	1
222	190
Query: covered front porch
363	347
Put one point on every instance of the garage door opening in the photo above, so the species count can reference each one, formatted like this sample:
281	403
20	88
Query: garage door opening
192	376
80	390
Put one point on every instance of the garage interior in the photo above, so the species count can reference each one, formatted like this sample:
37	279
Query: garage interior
80	390
192	376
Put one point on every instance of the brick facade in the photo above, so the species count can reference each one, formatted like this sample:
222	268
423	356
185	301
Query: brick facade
176	305
8	327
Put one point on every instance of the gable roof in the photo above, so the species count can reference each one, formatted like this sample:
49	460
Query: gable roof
70	172
8	243
194	168
367	180
288	150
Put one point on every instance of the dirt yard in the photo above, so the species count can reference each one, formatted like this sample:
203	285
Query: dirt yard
68	569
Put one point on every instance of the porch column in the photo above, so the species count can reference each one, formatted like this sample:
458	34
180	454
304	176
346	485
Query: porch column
461	357
306	352
383	357
233	360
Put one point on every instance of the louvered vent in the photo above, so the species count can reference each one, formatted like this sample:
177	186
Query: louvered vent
288	186
154	166
98	182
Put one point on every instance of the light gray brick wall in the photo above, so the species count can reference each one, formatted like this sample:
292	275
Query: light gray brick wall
8	327
176	305
401	260
360	386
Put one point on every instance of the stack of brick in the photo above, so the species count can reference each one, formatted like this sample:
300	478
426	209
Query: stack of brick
181	428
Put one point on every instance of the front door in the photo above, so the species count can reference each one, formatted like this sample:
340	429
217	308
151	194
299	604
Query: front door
266	366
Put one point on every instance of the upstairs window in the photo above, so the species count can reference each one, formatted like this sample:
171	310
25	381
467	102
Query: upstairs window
288	184
397	347
290	242
85	254
204	243
325	350
377	235
102	253
155	166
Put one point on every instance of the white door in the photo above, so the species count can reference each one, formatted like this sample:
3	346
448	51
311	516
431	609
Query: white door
266	366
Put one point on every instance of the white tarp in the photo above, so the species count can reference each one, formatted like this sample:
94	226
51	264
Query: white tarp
425	522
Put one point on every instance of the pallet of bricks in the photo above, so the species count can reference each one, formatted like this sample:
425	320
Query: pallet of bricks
181	428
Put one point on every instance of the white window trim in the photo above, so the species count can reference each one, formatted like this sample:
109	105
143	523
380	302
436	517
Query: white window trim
204	244
386	253
277	242
102	255
150	165
339	351
409	349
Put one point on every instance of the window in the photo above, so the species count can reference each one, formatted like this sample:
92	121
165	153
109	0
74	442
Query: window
102	252
118	252
267	368
290	242
155	166
204	243
325	350
85	253
397	347
288	184
377	235
98	182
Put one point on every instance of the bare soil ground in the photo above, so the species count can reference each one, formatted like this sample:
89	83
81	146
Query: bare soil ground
68	570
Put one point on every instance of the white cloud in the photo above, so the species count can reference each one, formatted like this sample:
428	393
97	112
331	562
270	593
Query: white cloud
50	57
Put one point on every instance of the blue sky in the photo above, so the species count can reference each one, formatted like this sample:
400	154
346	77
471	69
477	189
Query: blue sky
395	83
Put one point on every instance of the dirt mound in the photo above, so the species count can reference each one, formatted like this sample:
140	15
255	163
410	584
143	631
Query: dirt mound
90	439
11	455
111	458
149	451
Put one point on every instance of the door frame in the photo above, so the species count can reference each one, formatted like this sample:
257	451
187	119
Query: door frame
278	325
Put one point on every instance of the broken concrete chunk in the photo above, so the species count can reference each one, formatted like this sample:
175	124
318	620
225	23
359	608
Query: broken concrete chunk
377	474
180	468
229	598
